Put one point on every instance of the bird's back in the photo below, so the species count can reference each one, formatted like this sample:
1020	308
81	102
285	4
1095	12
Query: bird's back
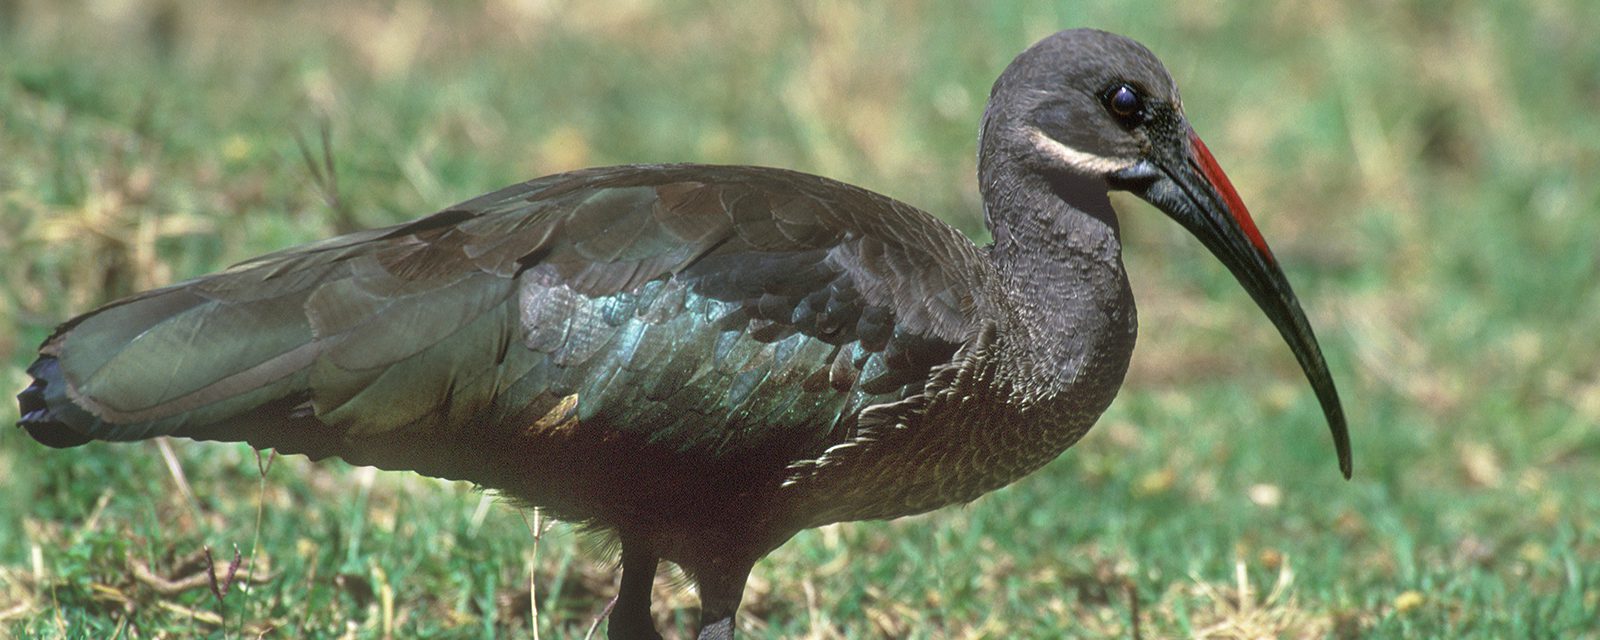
617	322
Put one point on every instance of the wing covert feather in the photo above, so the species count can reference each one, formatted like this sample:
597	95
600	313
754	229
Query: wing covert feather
712	307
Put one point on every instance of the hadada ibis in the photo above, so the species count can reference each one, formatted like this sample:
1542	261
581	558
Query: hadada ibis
702	360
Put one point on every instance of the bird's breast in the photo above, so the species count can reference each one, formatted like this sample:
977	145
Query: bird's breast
984	422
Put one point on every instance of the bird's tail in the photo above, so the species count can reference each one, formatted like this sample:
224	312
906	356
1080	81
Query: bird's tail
47	414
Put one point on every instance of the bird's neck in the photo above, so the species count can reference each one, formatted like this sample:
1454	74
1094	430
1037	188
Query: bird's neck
1058	255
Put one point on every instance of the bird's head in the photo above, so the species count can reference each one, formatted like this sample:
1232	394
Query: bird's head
1087	103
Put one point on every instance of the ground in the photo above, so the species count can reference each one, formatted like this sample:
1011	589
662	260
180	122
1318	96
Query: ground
1425	171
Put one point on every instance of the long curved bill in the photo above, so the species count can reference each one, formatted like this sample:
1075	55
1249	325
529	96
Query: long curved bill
1183	180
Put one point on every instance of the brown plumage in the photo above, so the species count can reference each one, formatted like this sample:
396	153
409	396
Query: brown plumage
702	359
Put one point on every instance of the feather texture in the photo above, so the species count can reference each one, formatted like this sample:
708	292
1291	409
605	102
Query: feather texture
716	310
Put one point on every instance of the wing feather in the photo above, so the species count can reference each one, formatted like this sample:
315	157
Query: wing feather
721	308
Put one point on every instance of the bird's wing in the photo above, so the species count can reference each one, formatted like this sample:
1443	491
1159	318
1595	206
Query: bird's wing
709	307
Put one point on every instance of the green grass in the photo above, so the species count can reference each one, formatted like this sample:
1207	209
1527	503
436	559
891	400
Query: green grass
1424	169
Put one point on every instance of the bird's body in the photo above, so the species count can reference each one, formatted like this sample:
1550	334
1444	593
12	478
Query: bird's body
702	359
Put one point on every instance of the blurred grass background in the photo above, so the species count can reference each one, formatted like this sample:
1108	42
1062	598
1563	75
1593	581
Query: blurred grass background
1426	170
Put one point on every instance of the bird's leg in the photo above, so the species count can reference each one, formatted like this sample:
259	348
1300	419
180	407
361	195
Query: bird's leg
630	617
720	592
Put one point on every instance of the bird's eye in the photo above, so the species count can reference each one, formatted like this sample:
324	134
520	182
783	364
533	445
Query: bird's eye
1125	103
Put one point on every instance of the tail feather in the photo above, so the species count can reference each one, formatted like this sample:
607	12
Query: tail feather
47	415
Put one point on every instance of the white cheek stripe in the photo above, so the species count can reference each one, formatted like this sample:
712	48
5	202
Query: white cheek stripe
1087	163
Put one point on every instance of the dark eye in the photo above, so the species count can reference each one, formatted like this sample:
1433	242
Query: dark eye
1125	103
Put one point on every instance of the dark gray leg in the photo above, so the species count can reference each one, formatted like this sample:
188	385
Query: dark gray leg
720	592
630	618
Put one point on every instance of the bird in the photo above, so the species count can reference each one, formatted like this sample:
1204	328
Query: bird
701	360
